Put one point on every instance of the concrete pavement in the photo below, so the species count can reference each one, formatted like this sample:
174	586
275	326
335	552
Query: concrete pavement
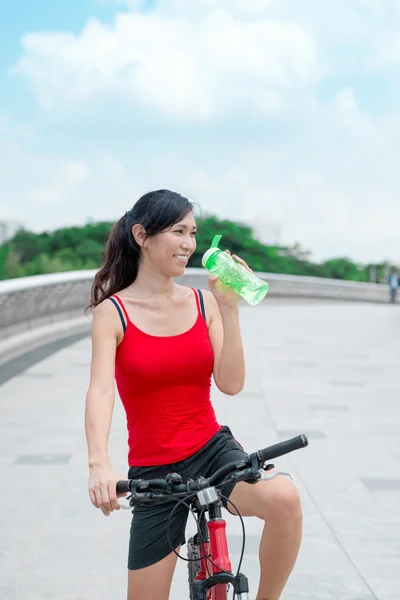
330	370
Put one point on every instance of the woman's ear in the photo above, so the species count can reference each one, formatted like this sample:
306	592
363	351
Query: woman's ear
139	234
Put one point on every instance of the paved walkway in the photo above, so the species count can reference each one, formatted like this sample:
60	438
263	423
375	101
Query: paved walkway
328	369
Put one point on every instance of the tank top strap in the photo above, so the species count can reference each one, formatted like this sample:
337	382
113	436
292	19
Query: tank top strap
200	302
119	305
122	306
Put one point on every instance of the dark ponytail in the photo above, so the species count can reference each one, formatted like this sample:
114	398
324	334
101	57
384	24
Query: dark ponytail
155	211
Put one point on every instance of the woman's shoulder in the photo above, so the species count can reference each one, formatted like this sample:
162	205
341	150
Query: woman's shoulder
210	303
207	295
105	314
107	323
104	307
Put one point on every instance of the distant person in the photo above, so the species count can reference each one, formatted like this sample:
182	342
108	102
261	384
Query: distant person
394	285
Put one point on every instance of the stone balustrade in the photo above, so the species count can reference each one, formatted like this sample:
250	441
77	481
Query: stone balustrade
30	304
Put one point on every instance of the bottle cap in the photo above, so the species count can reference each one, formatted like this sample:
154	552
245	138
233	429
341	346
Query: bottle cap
211	251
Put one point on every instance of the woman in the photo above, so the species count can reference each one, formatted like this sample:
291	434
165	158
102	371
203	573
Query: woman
162	342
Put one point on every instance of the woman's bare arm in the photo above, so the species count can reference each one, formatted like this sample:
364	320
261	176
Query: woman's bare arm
100	399
226	340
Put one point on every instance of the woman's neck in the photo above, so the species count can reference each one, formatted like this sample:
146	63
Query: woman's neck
152	285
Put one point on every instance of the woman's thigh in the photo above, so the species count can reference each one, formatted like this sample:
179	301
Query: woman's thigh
274	499
153	582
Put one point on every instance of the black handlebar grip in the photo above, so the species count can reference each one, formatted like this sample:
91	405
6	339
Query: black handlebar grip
123	487
282	448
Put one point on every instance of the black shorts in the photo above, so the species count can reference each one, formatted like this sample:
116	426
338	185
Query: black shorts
148	538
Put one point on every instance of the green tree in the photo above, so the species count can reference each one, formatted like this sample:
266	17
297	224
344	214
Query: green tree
90	251
341	268
13	266
27	245
71	248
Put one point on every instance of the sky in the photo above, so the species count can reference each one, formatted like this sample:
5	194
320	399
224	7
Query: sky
276	112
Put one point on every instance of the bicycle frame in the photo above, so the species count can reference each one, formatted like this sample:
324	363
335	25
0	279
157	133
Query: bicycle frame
214	545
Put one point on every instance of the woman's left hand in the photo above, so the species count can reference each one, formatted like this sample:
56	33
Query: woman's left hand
224	295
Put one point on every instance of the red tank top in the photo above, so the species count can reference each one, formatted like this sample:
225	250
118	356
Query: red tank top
164	384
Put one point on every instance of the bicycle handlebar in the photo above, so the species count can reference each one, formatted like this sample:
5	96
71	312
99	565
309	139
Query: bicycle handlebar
170	486
300	441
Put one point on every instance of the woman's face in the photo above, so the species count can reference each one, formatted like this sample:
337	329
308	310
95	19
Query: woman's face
172	248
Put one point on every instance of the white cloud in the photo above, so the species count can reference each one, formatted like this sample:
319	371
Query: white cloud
315	211
346	112
131	4
336	198
196	8
69	176
224	101
8	127
347	103
357	36
178	68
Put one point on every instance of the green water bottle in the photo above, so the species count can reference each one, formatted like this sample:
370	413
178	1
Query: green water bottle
234	275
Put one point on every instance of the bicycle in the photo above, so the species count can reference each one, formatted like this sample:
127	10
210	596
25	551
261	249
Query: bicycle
209	567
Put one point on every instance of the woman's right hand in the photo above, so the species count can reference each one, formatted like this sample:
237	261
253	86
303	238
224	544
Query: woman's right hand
102	488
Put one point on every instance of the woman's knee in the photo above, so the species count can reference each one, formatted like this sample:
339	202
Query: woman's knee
283	503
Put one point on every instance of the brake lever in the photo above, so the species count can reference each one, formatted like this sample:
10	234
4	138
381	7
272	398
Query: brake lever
124	505
265	477
140	498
